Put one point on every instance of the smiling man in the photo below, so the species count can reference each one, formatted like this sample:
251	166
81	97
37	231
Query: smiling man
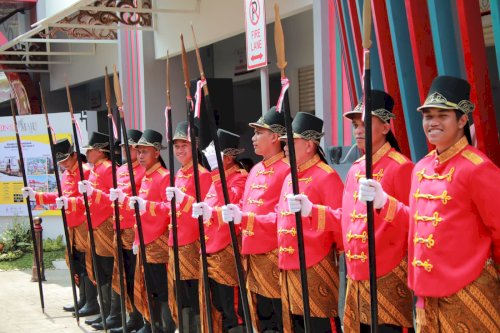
454	230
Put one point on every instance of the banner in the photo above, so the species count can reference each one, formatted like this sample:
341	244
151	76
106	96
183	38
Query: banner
37	160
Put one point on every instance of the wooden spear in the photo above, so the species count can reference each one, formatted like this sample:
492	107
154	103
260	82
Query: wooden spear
279	41
69	250
28	205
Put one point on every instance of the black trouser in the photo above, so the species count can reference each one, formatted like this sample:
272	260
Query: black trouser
318	325
156	280
269	313
386	328
129	261
189	295
79	263
223	301
104	269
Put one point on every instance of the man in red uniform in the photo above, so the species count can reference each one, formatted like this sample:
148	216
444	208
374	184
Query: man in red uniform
100	178
188	233
77	227
322	185
221	266
454	231
393	170
260	242
150	199
127	221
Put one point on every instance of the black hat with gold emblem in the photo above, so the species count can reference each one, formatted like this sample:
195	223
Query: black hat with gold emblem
382	105
448	92
229	143
306	126
98	141
151	138
63	149
182	133
271	120
133	136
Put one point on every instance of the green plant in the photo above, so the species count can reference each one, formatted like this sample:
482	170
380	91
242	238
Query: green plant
17	237
11	255
51	245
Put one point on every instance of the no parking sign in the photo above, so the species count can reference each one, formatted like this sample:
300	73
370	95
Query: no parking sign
255	23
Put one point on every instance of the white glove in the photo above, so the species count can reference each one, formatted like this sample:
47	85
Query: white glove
230	213
171	191
28	192
211	156
140	201
371	190
135	248
201	209
85	186
299	203
116	193
61	202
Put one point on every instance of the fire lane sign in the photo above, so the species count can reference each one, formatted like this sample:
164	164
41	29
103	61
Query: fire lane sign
255	23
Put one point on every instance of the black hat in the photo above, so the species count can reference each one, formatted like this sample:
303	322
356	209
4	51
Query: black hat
151	138
229	143
448	92
307	126
133	136
98	141
63	149
382	105
181	131
271	120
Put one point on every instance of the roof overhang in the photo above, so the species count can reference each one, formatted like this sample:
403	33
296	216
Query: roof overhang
85	23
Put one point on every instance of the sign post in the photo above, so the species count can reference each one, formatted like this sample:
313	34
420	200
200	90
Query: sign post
256	44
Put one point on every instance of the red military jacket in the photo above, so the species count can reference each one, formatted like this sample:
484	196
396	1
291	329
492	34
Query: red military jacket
127	215
69	186
454	225
187	227
217	235
323	187
101	179
153	219
393	171
261	195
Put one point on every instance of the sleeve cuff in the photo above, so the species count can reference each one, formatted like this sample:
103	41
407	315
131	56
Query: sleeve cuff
388	212
318	217
247	222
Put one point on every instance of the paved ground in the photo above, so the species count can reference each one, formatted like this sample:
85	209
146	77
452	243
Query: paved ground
20	309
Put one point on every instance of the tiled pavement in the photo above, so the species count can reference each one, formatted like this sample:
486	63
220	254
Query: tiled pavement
20	309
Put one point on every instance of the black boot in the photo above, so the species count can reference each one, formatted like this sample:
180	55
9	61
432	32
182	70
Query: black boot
167	321
114	319
191	321
91	306
134	323
81	298
237	329
96	320
146	328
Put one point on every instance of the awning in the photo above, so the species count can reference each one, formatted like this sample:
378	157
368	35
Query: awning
76	30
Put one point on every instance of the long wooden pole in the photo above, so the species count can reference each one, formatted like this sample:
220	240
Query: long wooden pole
28	205
201	227
69	249
367	25
173	207
119	104
232	230
279	41
119	242
87	208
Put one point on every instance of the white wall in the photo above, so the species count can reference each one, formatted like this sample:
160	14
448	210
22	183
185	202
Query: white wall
82	68
45	8
216	20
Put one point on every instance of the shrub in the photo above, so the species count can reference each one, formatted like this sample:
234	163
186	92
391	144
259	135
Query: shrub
51	245
17	237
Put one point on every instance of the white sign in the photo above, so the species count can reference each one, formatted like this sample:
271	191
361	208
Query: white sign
255	22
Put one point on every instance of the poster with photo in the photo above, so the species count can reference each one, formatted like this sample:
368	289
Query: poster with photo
37	161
